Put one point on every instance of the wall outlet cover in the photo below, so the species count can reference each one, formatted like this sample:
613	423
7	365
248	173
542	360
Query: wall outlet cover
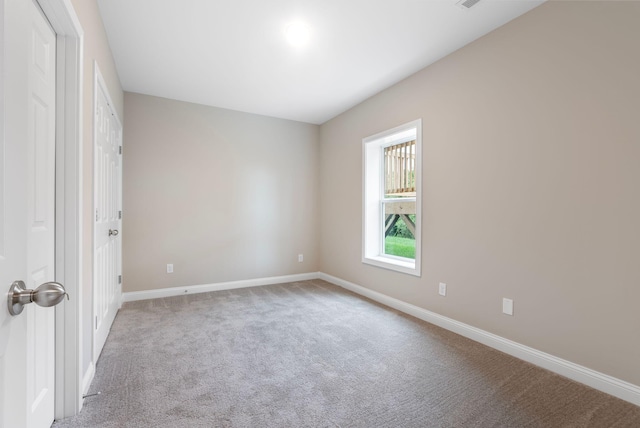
507	306
442	289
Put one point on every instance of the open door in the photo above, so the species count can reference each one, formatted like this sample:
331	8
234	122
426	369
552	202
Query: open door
107	255
27	207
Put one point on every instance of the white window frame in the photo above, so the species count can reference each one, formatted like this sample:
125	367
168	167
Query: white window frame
373	198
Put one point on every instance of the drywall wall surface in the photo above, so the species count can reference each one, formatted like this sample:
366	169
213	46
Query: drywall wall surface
96	51
221	195
531	140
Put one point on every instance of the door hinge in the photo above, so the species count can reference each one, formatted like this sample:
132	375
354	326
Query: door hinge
120	215
119	279
96	215
96	322
120	150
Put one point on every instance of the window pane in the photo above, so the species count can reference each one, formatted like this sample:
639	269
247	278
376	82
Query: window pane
400	170
399	229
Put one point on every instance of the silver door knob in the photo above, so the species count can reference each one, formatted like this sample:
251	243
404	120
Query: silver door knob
46	295
113	232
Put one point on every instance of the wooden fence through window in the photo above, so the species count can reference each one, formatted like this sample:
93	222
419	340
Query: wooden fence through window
400	169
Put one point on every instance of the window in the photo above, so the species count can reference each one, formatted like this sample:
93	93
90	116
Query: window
391	200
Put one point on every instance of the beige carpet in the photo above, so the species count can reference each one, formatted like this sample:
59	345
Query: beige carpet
310	354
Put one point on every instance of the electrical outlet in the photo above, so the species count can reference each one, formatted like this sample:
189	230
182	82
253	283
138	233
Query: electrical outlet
442	289
170	268
507	306
300	258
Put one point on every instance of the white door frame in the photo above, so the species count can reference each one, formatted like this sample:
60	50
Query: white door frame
68	330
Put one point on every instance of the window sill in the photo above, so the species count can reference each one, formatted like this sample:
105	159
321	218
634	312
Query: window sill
396	264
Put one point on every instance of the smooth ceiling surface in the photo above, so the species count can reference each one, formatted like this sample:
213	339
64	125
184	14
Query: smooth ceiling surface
233	53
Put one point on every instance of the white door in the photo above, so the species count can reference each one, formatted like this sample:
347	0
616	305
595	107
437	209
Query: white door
108	214
27	203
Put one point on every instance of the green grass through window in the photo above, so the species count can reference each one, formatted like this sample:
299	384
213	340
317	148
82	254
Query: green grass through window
402	247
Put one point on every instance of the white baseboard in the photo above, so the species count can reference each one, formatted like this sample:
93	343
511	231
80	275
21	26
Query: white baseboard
600	381
205	288
88	378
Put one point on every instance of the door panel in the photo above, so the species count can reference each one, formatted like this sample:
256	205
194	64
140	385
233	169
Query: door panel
41	220
108	175
28	223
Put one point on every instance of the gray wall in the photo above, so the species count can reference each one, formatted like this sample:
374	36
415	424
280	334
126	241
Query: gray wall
222	195
531	140
96	50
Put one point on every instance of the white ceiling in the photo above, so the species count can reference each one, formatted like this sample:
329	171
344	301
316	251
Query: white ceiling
233	53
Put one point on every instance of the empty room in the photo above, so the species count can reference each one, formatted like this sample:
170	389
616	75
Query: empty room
321	213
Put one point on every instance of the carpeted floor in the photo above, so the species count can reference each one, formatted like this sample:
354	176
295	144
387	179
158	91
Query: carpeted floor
310	354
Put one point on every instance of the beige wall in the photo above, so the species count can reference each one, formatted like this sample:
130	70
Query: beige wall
96	50
531	161
222	195
531	141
